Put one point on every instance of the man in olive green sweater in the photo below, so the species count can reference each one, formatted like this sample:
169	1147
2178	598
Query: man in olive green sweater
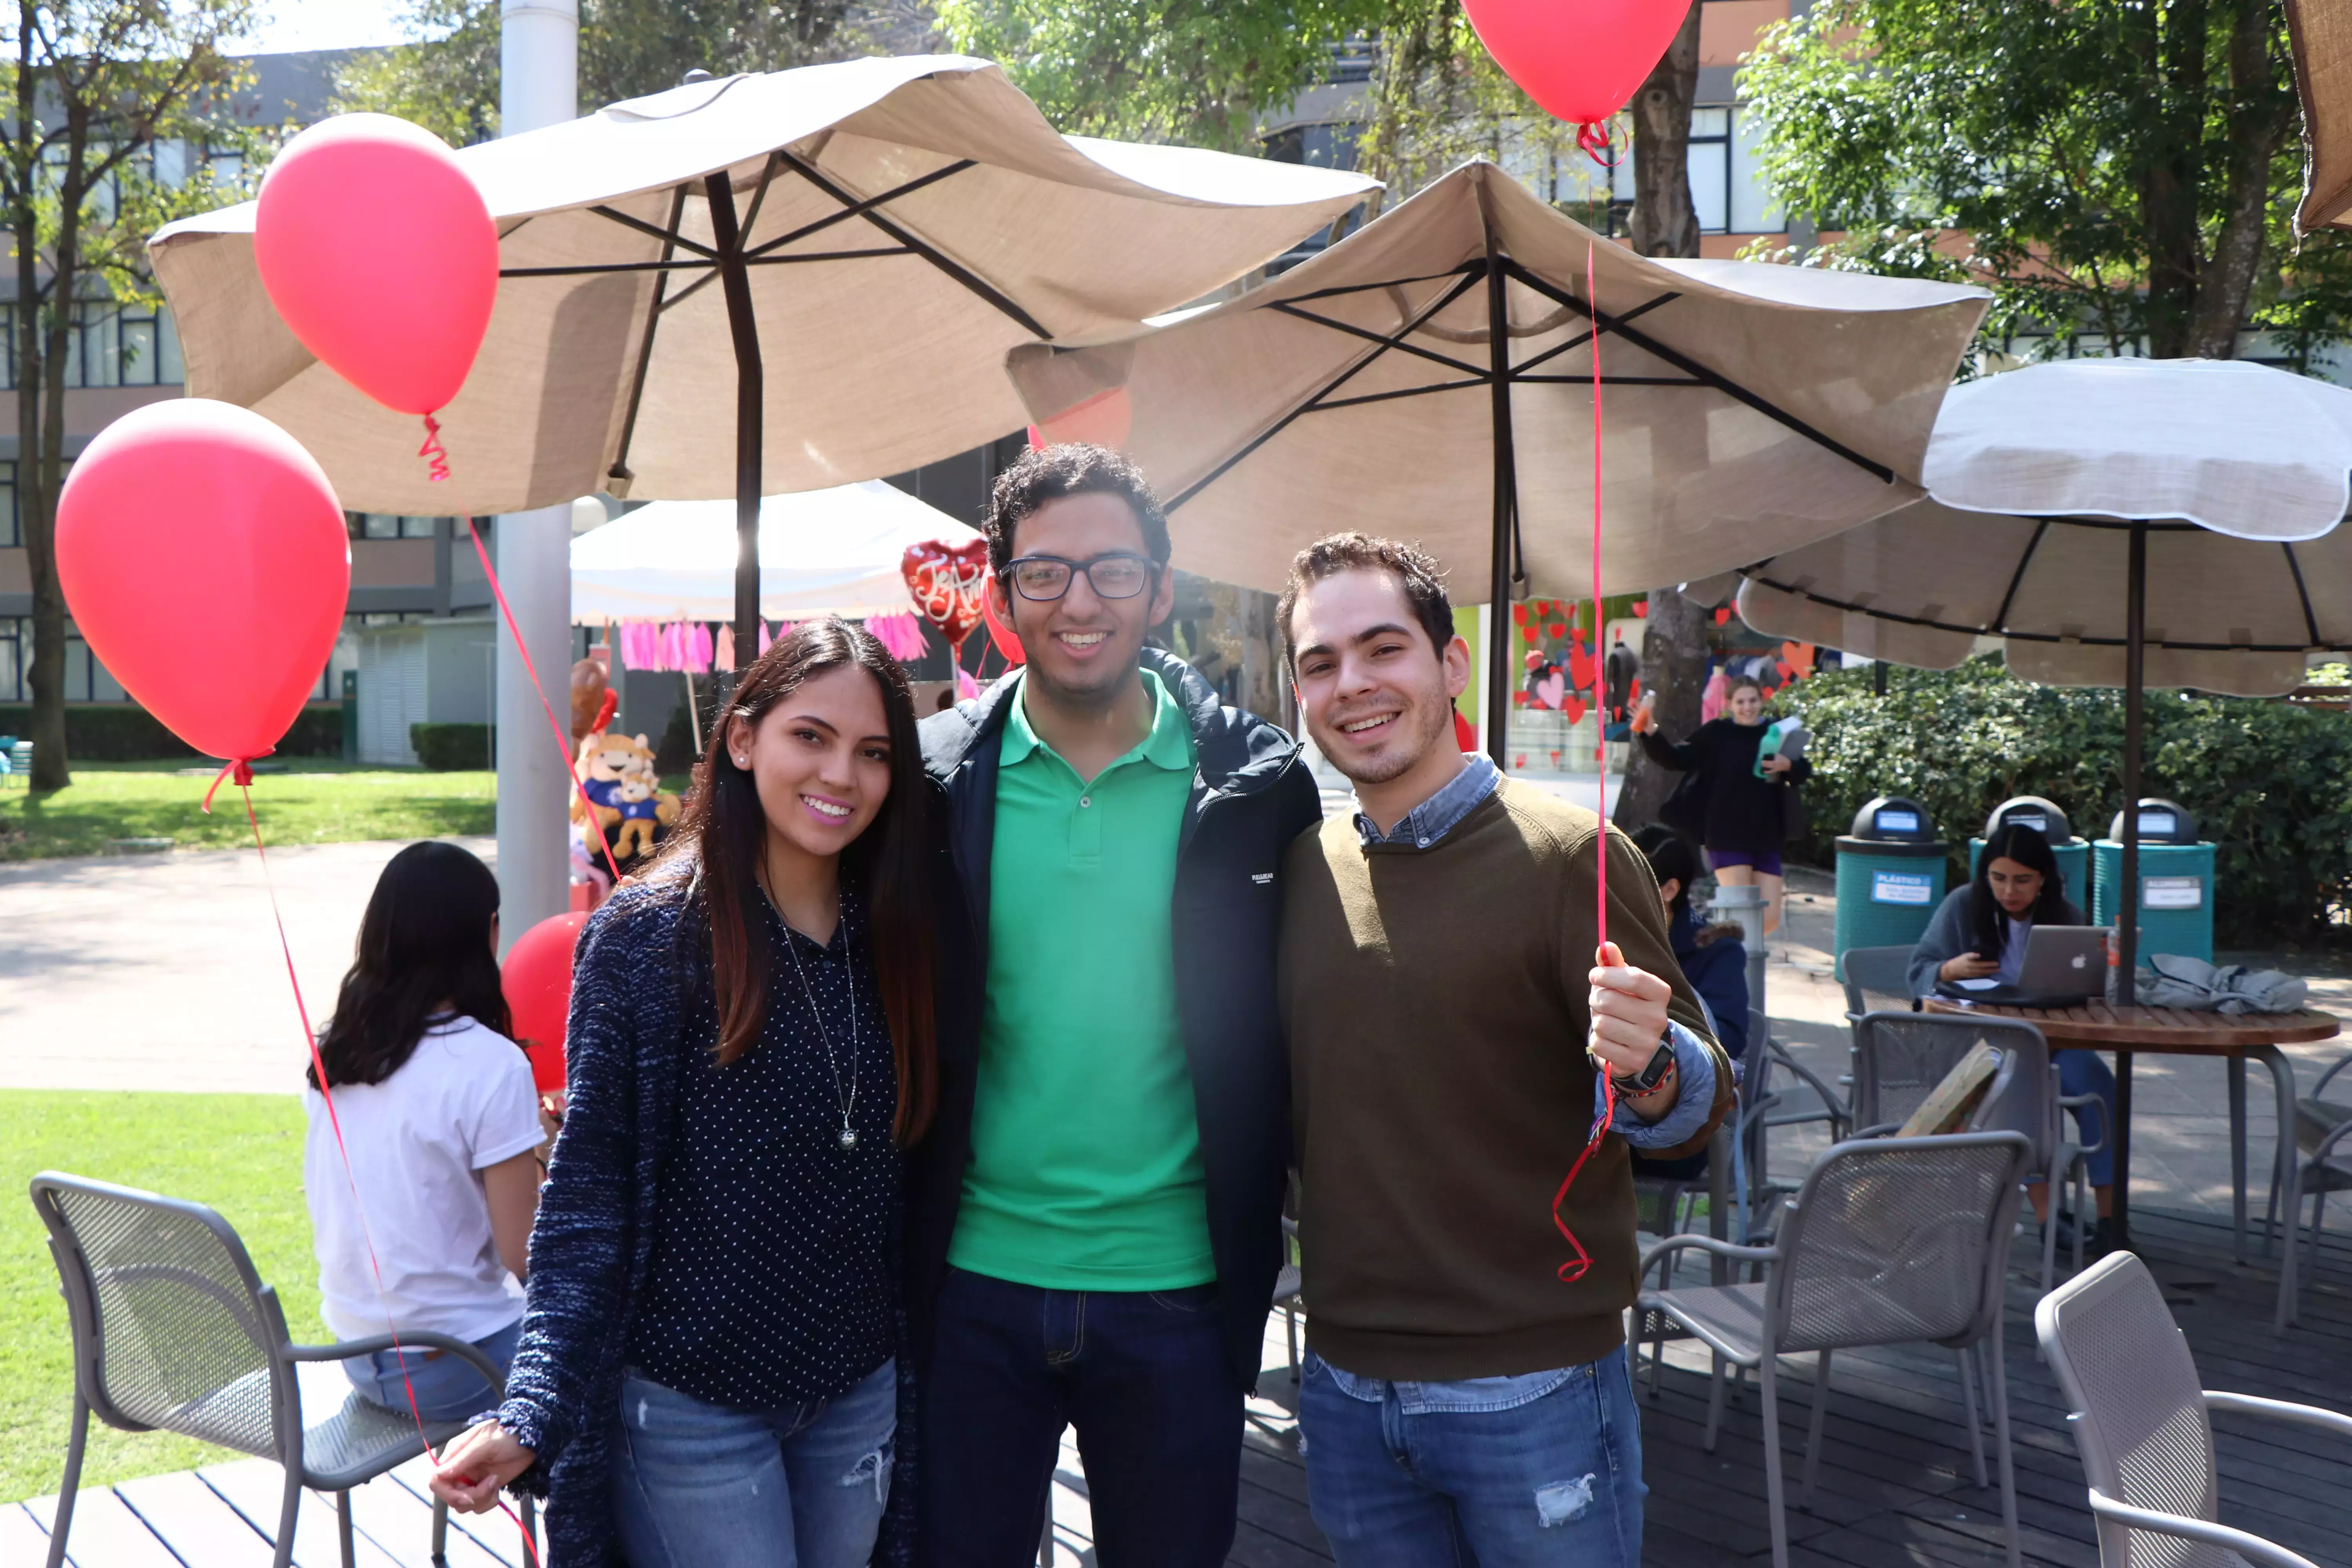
1465	1395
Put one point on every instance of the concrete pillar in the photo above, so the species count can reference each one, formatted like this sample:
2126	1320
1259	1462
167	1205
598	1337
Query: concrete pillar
539	69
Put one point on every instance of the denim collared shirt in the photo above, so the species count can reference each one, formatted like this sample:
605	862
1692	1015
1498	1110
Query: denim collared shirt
1422	827
1432	820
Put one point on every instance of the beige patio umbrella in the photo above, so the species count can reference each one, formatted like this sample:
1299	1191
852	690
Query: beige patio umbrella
2322	33
859	244
1431	376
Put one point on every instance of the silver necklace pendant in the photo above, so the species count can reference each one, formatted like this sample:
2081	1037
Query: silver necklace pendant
848	1137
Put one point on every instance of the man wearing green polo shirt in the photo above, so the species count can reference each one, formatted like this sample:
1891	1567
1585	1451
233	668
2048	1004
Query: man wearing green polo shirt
1094	1222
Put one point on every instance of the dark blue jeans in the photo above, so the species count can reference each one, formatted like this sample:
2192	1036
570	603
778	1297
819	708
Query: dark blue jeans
1141	1375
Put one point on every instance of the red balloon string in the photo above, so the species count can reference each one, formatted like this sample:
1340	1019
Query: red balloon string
1575	1267
1592	136
561	744
1601	743
434	450
241	767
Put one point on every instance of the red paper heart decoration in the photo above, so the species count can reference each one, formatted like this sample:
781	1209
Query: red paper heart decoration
1552	689
1520	614
947	583
1579	667
1556	629
1641	609
1574	708
1723	617
1798	655
1784	667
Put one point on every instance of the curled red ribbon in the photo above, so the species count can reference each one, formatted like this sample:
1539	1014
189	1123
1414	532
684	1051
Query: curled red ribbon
1592	136
434	451
238	768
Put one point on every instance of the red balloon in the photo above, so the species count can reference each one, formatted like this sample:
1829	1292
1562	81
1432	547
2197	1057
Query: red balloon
199	509
379	253
1581	59
1106	419
537	980
1007	641
948	583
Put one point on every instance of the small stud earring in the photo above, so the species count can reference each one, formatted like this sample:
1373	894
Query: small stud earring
742	762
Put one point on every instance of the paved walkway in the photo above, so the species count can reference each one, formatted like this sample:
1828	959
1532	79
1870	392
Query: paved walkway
163	971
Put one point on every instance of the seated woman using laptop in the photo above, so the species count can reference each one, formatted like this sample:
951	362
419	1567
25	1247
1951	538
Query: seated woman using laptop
1980	934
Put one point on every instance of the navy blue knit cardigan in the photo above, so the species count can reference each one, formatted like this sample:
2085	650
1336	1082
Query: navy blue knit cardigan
641	999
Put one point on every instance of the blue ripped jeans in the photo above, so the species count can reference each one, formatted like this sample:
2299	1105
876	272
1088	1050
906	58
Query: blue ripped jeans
701	1485
1499	1472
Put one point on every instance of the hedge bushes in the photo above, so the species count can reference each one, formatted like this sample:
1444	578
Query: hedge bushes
2271	783
126	733
451	748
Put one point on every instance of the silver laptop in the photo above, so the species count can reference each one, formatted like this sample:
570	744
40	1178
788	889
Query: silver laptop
2064	965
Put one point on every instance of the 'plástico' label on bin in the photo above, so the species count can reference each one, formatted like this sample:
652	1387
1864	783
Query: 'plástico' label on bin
1902	887
2172	892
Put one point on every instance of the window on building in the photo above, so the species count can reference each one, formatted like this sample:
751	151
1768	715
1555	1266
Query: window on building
1726	173
387	525
12	522
108	345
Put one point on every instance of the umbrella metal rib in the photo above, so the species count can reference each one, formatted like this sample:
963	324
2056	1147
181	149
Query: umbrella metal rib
727	260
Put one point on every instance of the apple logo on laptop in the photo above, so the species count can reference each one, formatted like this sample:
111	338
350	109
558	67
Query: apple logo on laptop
2080	962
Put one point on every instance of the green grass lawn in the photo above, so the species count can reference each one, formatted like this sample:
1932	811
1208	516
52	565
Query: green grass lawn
309	802
240	1153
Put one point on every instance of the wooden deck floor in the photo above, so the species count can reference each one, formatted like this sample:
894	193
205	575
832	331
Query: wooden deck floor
1895	1486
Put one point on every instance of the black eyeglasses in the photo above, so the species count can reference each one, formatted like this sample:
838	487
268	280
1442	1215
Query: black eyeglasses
1047	577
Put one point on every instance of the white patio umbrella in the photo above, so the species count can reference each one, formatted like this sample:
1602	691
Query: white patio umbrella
1431	376
822	552
2119	522
880	232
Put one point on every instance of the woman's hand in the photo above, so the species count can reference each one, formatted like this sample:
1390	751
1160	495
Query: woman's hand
1968	966
474	1468
1777	763
1644	720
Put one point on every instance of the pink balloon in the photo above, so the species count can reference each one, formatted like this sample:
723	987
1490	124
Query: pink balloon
1581	59
203	556
378	252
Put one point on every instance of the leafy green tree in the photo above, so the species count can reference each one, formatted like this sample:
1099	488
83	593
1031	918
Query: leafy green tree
2117	170
121	114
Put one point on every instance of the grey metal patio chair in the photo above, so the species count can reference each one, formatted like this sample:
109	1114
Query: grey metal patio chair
1900	1057
2321	1127
1891	1241
172	1330
2144	1426
1867	972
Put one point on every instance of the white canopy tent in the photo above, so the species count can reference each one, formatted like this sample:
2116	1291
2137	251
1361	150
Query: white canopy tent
822	552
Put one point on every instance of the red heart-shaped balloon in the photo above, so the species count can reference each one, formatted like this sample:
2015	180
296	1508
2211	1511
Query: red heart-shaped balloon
947	582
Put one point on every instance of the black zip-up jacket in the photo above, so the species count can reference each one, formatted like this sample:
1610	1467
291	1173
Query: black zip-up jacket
1251	796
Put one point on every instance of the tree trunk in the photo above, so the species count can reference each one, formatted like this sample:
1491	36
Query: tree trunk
2170	187
47	674
2261	113
50	769
1666	223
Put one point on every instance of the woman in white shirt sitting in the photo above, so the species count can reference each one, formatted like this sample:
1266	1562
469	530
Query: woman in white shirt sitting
441	1127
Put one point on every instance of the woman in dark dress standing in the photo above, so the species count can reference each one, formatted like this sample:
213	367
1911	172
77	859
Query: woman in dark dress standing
708	1374
1745	819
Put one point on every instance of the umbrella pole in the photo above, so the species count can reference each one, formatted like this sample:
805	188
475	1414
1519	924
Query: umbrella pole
2128	895
1507	498
751	411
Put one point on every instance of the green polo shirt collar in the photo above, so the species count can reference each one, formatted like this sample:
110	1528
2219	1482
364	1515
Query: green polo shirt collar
1168	746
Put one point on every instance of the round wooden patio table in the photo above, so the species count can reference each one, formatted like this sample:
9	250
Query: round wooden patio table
2169	1031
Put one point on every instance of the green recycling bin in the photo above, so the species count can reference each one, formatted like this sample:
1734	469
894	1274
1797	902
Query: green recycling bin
2176	881
2032	811
1890	875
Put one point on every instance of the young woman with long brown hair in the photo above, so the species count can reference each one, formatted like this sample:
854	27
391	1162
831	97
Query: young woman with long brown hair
708	1371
